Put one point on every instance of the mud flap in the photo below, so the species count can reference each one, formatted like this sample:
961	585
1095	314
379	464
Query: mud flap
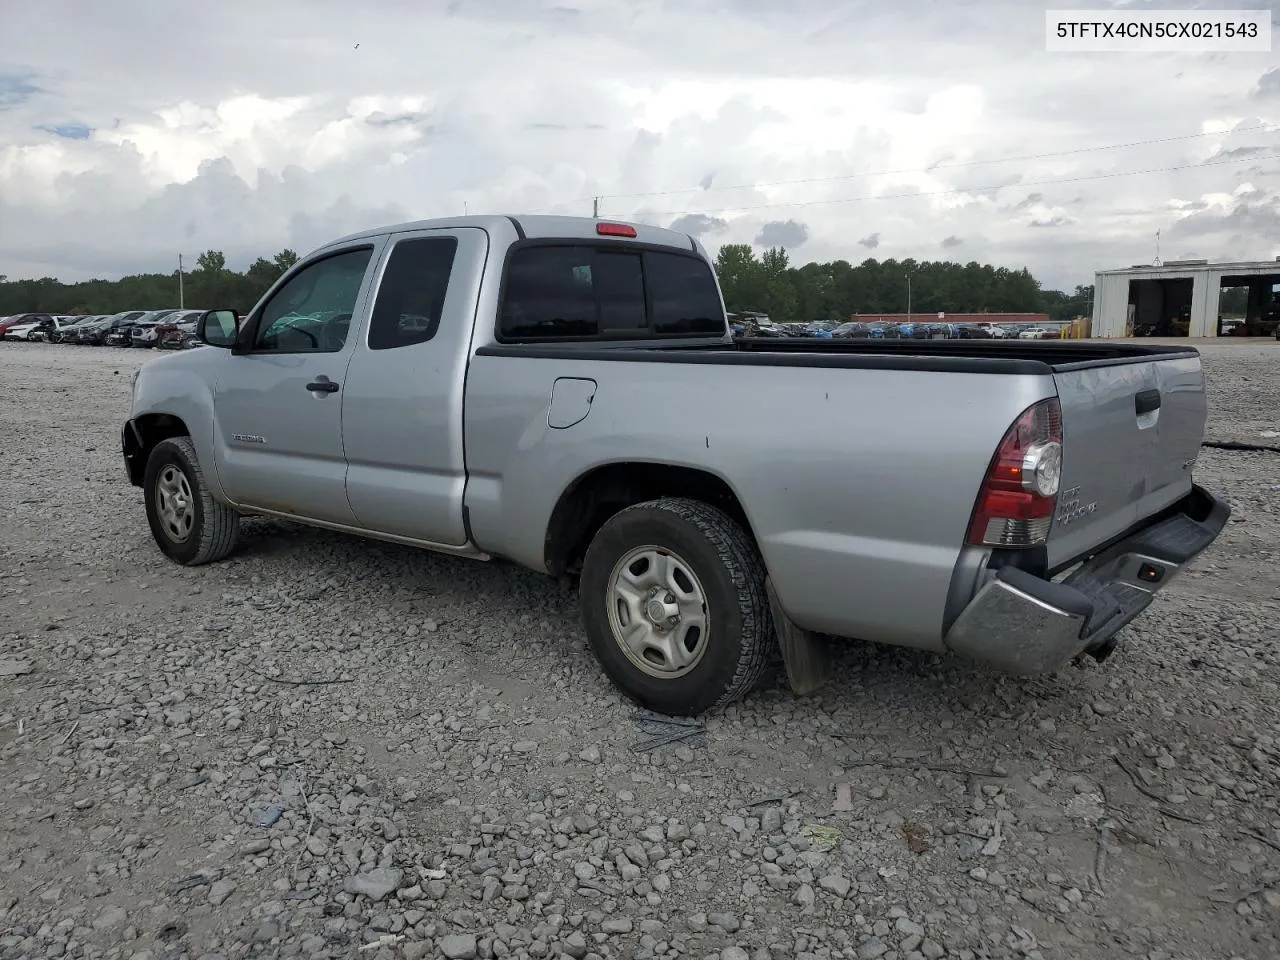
804	654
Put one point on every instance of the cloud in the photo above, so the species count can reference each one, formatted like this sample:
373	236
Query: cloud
951	241
698	224
1268	85
259	138
1246	211
782	233
1027	202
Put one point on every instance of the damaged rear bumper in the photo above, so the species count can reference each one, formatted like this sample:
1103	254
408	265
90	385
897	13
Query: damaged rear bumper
1025	625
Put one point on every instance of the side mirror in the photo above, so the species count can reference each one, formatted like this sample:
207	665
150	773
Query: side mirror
218	328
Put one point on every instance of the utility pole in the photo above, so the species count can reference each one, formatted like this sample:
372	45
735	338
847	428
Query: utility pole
595	207
181	304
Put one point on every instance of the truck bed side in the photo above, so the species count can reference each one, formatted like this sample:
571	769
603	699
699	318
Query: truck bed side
863	487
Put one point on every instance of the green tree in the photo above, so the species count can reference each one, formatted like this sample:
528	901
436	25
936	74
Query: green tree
211	261
768	283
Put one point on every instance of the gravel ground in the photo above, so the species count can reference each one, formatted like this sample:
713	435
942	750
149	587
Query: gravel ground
326	747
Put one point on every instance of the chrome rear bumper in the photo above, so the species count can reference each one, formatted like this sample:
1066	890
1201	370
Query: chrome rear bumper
1025	625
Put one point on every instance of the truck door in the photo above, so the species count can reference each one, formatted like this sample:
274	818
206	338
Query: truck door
278	407
402	403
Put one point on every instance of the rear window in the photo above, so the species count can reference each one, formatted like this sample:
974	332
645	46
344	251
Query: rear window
685	300
587	292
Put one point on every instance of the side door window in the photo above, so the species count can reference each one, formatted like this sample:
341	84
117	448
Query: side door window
312	312
411	295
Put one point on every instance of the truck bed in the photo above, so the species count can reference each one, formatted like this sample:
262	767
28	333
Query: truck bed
1057	354
1026	357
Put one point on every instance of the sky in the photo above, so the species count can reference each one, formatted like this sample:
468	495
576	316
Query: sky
137	130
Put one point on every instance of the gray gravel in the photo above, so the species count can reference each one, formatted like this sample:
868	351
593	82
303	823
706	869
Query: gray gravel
324	744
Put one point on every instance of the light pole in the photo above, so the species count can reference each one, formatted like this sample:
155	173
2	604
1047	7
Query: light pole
908	298
181	304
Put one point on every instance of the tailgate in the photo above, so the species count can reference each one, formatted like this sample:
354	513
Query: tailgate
1131	433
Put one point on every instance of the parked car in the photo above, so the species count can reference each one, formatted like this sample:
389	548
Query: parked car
80	332
852	329
21	320
1032	333
178	331
121	335
26	331
62	334
144	332
913	331
996	473
95	334
37	330
46	332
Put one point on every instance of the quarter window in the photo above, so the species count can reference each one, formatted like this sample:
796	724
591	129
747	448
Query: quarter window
411	296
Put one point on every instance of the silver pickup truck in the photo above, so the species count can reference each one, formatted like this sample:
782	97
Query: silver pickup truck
565	393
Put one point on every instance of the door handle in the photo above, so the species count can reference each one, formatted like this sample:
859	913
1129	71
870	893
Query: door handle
323	385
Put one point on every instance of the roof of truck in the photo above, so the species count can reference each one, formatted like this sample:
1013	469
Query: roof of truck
538	226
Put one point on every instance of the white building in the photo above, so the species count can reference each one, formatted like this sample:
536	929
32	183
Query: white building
1144	296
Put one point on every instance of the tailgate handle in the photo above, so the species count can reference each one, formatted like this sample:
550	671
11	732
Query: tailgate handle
1146	401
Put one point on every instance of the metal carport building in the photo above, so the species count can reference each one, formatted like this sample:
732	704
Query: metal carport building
1142	295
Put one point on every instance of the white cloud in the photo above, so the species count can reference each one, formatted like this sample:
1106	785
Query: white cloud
742	120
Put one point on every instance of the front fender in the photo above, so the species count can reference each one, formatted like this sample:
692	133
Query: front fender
179	386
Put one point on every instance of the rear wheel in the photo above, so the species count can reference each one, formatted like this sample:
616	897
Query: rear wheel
674	604
188	524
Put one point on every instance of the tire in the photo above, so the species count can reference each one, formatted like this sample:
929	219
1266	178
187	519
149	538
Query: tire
732	654
212	529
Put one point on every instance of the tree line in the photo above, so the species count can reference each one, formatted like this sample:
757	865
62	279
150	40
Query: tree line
765	284
211	285
834	291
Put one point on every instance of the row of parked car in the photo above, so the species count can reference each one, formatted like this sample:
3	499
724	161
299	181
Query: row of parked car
172	329
894	331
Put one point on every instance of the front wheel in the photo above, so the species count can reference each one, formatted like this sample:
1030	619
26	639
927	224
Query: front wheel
188	524
674	604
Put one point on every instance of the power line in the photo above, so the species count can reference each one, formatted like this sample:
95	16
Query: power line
942	193
929	169
936	166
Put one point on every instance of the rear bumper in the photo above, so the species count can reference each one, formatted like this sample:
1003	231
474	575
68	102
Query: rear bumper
1025	625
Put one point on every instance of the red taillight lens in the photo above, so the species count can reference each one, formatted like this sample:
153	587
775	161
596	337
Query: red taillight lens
615	230
1020	491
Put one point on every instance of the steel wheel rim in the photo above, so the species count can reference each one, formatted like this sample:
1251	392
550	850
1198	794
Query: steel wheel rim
175	507
658	612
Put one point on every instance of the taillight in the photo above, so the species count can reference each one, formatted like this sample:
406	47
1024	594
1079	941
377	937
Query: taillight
1020	492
